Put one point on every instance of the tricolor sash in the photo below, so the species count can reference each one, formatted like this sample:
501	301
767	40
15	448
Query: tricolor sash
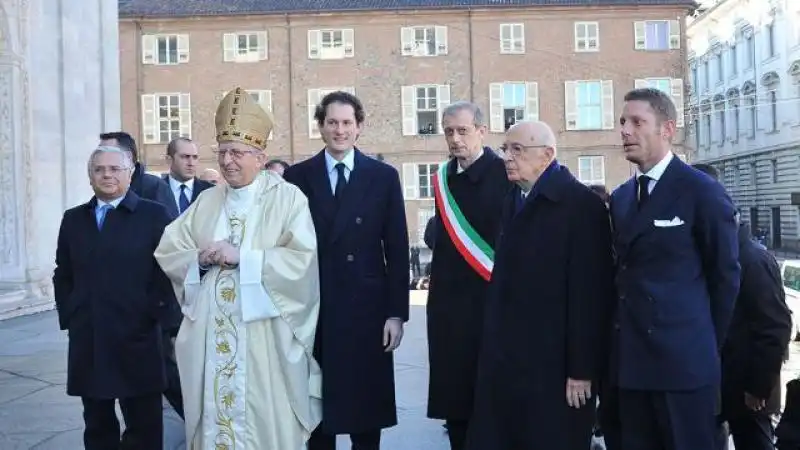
478	254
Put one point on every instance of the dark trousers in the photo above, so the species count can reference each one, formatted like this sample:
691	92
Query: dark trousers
361	441
173	392
144	425
752	431
668	420
457	433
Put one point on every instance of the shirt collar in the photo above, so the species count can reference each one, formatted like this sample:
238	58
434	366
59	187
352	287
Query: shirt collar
459	169
348	161
657	171
176	185
114	203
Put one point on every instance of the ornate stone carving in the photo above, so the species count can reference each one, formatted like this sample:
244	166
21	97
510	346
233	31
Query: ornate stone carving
8	214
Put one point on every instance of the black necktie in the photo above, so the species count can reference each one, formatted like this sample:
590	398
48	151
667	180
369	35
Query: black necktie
644	192
341	181
183	200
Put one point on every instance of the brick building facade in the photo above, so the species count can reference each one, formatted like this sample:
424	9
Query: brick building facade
568	66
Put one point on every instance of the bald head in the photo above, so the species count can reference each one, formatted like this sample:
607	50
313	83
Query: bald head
533	133
210	175
528	150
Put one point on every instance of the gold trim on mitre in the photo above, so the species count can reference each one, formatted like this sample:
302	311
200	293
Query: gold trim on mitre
240	119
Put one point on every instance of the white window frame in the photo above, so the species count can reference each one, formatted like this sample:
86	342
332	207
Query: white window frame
676	93
514	44
571	114
424	214
150	51
673	35
233	52
410	112
497	103
592	177
152	123
411	180
318	50
264	99
314	97
584	44
410	47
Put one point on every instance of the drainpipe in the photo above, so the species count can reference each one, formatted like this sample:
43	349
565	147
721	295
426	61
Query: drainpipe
471	58
291	87
139	91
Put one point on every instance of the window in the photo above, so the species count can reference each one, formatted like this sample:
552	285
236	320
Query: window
589	105
769	39
512	38
166	117
423	41
587	36
698	142
734	58
418	180
695	81
592	170
707	75
331	44
750	51
720	112
423	216
165	49
422	107
244	47
263	98
510	102
774	166
314	97
670	86
720	69
734	121
791	277
772	120
707	122
657	35
751	111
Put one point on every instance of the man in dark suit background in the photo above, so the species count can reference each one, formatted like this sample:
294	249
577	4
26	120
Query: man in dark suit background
145	185
357	206
109	292
755	347
677	280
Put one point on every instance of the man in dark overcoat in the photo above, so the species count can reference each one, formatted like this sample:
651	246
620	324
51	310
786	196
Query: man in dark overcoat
547	316
476	185
109	293
357	206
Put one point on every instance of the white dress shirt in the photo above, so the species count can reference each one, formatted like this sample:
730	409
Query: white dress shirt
656	172
330	163
175	186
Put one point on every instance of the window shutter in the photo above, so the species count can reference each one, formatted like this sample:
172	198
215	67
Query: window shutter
639	36
520	34
674	34
443	100
349	42
496	122
640	84
506	36
229	47
607	96
407	41
149	119
408	105
441	40
410	181
313	99
314	43
571	105
185	115
599	169
148	49
676	85
263	45
532	101
183	48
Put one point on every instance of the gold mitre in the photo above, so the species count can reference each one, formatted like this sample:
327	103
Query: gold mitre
239	118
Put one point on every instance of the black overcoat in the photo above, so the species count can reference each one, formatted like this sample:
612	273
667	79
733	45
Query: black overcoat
457	293
110	294
364	275
547	318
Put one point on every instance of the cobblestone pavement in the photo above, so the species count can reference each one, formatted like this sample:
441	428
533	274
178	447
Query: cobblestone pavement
36	413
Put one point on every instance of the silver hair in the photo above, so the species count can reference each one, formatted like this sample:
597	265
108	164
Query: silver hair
126	156
463	105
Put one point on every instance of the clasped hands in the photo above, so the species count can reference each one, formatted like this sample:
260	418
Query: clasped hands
578	392
220	253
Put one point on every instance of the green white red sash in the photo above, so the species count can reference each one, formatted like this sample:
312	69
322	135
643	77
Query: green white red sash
478	254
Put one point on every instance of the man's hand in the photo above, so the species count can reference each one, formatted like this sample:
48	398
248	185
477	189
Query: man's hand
756	404
392	334
578	392
219	253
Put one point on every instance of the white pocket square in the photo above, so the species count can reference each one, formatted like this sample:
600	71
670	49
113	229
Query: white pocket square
676	221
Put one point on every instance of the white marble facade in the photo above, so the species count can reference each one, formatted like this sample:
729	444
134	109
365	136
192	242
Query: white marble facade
59	88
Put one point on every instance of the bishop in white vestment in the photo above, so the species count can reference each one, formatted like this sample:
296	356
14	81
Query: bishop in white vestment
243	262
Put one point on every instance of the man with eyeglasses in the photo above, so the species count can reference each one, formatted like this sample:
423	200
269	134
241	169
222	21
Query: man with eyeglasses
109	291
469	190
550	297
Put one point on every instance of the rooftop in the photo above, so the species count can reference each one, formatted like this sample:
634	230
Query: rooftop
187	8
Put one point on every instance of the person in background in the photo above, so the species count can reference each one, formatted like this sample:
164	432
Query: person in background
210	175
145	185
276	165
755	347
182	155
110	294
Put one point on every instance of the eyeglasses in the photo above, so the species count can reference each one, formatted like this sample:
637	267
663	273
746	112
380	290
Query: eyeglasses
234	152
517	149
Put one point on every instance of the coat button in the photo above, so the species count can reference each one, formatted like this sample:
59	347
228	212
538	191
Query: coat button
616	326
350	258
358	220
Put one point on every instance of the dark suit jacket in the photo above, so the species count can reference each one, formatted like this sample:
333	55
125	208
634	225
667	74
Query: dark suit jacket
199	187
151	187
108	291
364	275
676	284
759	332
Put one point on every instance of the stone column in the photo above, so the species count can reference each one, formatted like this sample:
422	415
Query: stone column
59	88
